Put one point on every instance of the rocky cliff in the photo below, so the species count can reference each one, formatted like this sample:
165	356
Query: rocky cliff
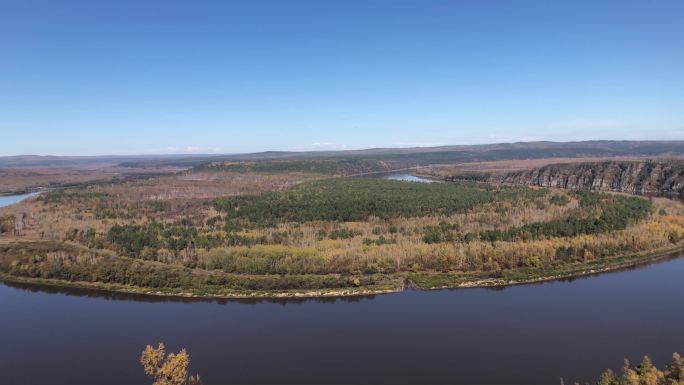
652	178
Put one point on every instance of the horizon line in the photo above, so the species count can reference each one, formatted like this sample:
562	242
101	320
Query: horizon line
369	148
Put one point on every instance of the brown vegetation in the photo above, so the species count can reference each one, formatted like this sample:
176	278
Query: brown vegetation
23	179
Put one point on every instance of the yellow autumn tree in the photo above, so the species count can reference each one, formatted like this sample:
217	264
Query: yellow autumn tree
171	369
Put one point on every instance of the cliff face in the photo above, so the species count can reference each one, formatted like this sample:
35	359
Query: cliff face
641	178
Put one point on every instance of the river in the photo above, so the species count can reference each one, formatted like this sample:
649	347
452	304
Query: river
398	175
6	200
408	178
527	334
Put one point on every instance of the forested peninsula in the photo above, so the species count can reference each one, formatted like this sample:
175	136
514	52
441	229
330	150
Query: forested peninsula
273	228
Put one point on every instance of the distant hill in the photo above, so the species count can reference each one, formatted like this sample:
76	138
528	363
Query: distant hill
397	157
73	161
421	156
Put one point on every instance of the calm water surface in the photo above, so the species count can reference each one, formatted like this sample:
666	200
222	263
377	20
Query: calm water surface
530	334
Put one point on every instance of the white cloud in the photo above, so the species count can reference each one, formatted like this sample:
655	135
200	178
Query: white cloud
187	150
321	146
416	144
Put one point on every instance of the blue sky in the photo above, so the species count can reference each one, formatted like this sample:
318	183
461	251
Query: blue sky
130	77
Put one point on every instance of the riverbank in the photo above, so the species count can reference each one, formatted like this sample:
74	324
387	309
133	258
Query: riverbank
521	276
390	284
185	293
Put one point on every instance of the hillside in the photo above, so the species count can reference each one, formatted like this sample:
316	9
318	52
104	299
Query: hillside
421	156
404	156
642	178
648	177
